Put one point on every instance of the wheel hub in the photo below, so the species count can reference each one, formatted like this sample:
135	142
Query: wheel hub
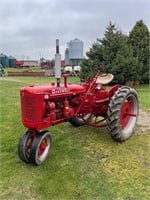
126	113
42	147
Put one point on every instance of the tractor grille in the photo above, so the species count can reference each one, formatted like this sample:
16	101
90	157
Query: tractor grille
29	108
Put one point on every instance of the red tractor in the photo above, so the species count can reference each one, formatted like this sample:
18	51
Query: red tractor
87	103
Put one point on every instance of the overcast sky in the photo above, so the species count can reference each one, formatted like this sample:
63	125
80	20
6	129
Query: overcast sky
29	28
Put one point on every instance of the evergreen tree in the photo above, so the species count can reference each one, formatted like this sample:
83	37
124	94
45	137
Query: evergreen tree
139	39
112	54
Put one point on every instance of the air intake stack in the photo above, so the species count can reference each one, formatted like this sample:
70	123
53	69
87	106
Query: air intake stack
57	63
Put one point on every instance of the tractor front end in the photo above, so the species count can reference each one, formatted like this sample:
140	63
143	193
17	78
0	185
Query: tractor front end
32	107
42	107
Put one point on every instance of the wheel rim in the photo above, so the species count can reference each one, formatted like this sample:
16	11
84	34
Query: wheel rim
43	149
128	114
125	113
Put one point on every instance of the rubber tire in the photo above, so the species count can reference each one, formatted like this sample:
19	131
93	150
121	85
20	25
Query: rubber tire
22	151
35	147
114	111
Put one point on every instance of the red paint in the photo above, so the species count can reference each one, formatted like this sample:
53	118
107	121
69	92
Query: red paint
43	106
126	113
42	146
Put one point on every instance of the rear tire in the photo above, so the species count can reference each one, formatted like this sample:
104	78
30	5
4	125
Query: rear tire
122	113
40	147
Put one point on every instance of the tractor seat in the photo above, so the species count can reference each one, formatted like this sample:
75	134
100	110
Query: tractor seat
104	79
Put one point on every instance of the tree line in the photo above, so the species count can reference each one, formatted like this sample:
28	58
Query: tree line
125	56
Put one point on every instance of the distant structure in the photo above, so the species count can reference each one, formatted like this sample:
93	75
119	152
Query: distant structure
26	63
74	52
47	64
7	61
10	61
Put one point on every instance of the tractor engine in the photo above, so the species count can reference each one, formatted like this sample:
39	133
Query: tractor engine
43	106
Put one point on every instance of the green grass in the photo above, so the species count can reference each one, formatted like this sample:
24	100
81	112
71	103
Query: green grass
22	69
85	163
26	80
144	96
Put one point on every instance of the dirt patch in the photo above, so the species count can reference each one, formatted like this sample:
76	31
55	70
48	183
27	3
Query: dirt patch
143	121
10	79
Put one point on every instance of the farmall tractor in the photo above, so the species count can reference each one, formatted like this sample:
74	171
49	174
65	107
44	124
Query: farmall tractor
88	103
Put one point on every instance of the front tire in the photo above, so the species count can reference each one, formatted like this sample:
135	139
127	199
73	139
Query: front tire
122	113
40	147
24	145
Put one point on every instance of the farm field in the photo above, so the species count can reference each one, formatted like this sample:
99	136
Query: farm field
84	164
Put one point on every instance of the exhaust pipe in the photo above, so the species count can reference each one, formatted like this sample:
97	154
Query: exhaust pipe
57	64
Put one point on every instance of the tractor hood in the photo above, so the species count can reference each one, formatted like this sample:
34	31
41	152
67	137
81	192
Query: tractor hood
53	90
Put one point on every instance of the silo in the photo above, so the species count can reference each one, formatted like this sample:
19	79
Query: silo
4	60
76	49
11	61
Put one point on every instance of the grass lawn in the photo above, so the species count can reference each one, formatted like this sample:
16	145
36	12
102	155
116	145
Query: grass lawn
85	163
144	96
